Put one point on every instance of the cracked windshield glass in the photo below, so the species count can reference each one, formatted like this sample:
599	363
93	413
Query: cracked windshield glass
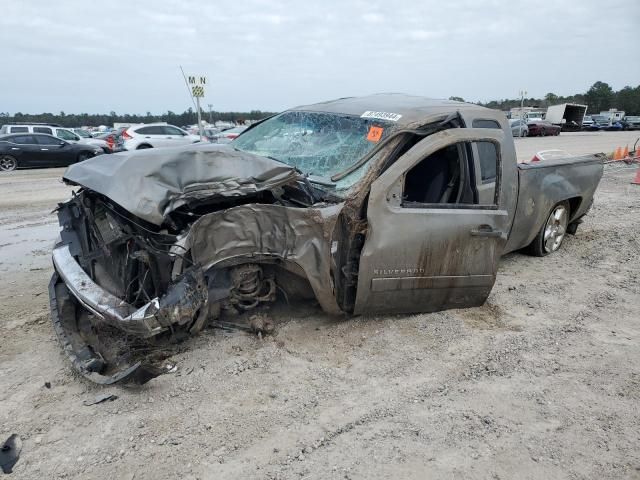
318	144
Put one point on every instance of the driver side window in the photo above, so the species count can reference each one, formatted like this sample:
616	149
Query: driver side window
447	178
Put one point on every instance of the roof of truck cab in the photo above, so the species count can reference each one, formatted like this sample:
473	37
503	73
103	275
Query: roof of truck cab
411	109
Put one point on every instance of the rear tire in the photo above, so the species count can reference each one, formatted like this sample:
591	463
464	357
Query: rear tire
542	132
550	237
8	163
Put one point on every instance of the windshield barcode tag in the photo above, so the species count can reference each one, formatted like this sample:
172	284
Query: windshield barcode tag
394	117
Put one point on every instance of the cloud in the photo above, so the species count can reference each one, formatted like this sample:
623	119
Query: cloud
263	54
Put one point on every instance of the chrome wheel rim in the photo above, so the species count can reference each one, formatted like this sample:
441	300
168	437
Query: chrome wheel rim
555	229
7	163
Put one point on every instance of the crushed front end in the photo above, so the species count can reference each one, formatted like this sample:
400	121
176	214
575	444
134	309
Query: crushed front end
127	284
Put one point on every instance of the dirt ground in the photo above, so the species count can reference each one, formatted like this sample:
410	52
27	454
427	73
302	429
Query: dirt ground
542	382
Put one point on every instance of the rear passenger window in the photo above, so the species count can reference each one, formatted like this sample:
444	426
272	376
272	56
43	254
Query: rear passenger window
482	123
153	130
19	129
42	130
488	161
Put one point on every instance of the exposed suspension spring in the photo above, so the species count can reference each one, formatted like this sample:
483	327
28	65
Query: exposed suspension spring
250	287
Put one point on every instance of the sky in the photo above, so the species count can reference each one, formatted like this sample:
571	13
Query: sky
125	56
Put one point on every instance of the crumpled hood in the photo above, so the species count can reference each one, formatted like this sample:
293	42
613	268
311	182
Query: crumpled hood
151	183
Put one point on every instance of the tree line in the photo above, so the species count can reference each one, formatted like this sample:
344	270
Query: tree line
600	97
188	117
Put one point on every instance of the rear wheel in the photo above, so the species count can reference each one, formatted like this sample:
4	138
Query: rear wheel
552	233
8	163
542	132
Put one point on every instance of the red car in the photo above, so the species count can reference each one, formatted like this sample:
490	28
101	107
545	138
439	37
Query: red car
542	128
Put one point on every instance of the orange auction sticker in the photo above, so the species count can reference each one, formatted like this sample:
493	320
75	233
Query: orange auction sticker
375	134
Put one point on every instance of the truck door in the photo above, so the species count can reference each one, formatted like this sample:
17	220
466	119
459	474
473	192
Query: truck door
435	231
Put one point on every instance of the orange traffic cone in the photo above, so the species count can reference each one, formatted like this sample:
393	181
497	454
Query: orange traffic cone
625	152
617	155
636	181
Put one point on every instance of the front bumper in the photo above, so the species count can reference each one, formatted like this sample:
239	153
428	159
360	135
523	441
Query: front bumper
112	310
180	305
72	289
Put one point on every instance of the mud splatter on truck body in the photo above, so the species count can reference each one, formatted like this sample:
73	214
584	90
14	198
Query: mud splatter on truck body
160	243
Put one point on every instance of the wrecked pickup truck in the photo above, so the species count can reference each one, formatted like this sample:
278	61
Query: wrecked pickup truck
384	204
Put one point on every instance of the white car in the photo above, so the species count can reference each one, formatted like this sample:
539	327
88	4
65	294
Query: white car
57	131
519	128
227	136
153	135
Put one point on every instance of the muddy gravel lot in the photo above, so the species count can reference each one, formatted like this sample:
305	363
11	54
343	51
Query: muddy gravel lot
542	382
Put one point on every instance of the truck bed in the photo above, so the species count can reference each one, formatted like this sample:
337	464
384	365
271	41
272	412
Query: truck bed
542	185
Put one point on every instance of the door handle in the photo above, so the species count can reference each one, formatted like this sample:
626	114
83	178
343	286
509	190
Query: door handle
15	148
44	149
147	137
486	231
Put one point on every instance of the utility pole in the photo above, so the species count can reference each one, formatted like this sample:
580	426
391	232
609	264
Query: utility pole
200	127
210	114
522	94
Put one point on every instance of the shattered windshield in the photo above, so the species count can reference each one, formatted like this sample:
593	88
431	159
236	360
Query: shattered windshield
318	144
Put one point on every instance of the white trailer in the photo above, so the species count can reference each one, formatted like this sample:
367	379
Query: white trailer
567	115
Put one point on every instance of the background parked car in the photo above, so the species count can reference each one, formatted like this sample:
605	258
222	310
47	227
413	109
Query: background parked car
519	128
156	135
598	122
21	150
82	133
113	138
209	134
587	122
227	136
615	126
542	128
57	131
632	122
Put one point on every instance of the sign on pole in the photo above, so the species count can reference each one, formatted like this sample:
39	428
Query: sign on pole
197	84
